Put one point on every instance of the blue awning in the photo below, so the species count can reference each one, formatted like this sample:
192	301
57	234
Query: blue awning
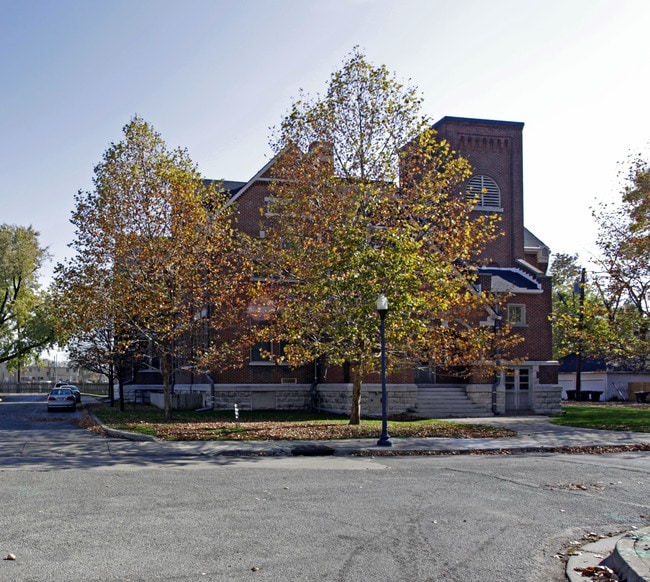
510	280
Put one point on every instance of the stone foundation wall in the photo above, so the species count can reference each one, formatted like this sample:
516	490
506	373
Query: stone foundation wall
260	396
547	399
402	398
246	396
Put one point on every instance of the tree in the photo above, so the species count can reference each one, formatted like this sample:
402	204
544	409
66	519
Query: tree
580	323
25	324
99	351
365	201
86	323
157	258
624	263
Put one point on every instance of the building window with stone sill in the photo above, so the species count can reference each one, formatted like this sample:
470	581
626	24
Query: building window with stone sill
517	315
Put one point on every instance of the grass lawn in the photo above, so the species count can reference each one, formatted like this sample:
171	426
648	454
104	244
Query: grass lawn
275	425
606	416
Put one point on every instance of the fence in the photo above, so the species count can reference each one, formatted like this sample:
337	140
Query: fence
45	387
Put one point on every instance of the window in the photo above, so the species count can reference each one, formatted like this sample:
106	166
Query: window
261	352
517	379
516	314
484	192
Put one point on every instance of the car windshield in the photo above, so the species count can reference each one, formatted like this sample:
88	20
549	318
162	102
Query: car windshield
60	392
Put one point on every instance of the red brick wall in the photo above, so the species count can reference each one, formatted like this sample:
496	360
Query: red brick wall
548	374
494	149
537	343
249	216
249	373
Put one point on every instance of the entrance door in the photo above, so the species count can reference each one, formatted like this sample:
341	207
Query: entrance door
517	383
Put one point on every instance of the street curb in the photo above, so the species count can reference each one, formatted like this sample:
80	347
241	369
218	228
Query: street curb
626	560
516	450
119	434
592	555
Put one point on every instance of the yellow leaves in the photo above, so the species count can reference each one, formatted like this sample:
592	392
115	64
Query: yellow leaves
156	246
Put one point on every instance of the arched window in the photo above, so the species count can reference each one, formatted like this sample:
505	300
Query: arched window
484	192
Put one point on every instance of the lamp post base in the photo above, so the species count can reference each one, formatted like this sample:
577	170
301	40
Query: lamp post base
384	441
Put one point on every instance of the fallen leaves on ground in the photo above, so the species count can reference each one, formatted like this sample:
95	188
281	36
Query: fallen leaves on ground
89	423
598	573
301	431
304	431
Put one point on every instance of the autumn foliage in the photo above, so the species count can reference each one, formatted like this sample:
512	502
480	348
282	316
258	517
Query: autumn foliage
157	259
365	200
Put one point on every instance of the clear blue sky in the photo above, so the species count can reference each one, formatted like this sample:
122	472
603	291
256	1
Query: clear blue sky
214	75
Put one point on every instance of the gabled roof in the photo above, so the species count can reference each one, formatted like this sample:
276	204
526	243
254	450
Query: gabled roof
532	242
232	186
228	185
255	178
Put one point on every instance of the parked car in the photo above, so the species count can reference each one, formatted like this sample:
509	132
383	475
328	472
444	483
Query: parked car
75	390
61	398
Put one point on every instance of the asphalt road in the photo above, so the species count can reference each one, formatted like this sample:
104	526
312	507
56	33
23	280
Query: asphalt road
76	506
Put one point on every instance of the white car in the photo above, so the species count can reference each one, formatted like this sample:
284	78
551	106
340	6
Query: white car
75	390
61	398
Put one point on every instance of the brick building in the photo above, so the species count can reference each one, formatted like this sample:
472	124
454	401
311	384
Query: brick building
515	264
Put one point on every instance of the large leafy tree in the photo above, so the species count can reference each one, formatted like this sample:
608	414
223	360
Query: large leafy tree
25	324
366	201
157	259
624	264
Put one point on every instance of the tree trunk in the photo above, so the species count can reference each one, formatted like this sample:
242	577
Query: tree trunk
355	413
165	367
111	387
120	383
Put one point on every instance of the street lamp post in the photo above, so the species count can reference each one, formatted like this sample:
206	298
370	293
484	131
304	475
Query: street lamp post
579	287
497	355
382	309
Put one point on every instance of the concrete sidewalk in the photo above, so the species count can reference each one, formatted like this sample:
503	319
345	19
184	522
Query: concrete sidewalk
533	434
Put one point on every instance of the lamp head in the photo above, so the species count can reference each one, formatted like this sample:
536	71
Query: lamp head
382	304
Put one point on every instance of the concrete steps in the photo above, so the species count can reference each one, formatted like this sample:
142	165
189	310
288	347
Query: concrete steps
446	401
